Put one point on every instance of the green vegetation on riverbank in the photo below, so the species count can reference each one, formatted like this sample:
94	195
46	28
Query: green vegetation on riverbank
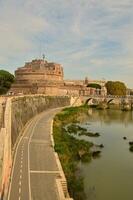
71	150
131	146
78	130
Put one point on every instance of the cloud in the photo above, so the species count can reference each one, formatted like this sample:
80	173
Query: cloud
17	30
86	36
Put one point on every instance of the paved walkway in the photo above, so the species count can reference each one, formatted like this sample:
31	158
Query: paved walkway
35	168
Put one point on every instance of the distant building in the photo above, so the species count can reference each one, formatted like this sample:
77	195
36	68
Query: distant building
42	77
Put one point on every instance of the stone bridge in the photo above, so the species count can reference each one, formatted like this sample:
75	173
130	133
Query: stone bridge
118	100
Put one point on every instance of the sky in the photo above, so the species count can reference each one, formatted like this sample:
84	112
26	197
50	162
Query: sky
90	38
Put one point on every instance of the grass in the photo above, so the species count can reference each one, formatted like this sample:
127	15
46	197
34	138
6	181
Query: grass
70	149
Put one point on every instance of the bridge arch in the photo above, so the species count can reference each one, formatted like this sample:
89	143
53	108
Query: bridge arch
109	101
86	102
94	100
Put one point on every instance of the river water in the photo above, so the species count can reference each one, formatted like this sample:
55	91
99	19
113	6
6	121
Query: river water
110	177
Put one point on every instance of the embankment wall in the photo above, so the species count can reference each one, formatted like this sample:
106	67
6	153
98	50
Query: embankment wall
18	111
24	108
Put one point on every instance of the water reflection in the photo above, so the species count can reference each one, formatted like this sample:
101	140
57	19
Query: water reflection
92	193
111	116
111	176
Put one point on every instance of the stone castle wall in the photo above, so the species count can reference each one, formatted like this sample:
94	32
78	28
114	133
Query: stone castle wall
37	76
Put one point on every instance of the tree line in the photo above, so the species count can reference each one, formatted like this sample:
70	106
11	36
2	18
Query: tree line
113	87
6	79
116	88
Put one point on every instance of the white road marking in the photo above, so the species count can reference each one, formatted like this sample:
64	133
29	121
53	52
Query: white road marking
20	176
44	172
19	198
20	183
20	171
19	190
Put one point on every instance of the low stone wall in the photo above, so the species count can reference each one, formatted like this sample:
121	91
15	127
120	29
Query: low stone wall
19	110
1	114
5	153
2	144
2	109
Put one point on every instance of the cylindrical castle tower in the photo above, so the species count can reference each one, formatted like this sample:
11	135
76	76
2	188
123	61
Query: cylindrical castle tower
39	70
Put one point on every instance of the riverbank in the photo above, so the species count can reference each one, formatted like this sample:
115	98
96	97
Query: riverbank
72	150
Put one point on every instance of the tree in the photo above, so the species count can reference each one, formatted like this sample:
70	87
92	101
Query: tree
116	88
6	79
94	85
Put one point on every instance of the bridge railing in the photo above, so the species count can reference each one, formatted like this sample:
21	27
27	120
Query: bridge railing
109	96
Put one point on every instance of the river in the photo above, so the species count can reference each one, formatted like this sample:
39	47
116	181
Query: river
109	177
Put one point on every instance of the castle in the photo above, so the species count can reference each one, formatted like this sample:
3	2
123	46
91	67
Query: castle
42	77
